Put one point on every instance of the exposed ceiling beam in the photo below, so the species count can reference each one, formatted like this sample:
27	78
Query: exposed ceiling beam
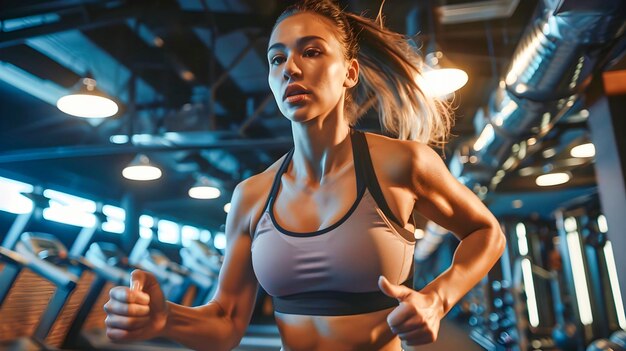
105	150
92	17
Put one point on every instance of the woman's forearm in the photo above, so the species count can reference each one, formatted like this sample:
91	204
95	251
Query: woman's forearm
201	328
473	258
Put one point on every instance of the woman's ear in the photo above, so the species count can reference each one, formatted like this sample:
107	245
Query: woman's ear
352	75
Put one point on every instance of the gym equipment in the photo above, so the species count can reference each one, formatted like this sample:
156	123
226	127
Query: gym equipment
619	337
76	309
205	263
604	345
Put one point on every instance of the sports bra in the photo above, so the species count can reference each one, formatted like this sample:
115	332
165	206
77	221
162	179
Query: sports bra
334	271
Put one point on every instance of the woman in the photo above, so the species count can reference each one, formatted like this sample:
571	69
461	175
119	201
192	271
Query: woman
338	215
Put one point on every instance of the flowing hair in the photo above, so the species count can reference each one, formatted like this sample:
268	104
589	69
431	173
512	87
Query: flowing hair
390	68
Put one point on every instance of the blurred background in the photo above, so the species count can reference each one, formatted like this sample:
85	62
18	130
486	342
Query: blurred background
179	111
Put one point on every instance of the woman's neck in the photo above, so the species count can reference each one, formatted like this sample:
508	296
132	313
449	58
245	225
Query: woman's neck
322	148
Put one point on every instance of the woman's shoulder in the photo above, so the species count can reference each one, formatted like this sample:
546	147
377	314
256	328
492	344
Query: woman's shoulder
251	194
397	160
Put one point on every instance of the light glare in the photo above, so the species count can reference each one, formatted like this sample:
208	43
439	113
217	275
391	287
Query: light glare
552	179
583	150
442	82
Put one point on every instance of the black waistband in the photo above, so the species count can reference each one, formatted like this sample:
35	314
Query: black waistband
335	303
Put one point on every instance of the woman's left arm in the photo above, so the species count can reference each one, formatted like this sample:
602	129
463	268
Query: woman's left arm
445	201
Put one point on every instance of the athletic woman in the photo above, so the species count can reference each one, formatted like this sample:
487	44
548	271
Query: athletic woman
327	229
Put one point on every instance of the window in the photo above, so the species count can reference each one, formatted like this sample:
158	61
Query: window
189	233
11	200
115	217
69	209
146	223
168	232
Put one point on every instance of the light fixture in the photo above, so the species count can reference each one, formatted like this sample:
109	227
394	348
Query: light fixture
551	179
204	189
140	168
583	150
87	101
441	82
227	207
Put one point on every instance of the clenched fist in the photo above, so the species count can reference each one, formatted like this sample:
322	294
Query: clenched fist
136	313
417	317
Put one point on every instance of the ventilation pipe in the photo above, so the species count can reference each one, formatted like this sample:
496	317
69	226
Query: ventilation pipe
564	45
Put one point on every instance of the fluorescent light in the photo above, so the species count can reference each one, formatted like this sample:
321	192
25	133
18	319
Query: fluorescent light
168	232
522	243
547	153
617	295
603	226
69	216
114	226
227	207
485	136
529	288
552	179
570	224
118	139
11	200
583	150
580	280
220	241
188	234
141	169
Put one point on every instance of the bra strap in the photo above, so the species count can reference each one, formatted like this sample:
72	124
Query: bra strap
276	184
366	168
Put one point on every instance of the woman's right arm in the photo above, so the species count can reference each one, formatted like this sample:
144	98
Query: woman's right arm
142	313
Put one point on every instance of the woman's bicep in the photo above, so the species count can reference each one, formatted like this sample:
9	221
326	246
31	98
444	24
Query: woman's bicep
238	285
443	199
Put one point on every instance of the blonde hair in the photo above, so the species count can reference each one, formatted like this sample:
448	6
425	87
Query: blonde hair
389	69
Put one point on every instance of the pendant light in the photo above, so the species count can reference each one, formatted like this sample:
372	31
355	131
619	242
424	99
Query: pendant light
204	189
86	101
436	81
140	168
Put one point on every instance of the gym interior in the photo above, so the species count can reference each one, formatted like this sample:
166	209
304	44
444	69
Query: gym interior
184	113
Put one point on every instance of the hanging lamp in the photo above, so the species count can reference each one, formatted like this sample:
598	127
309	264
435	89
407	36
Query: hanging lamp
87	101
140	168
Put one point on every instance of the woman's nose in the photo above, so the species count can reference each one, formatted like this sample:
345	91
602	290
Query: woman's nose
290	69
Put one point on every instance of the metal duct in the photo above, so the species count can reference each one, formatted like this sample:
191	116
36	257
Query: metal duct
565	43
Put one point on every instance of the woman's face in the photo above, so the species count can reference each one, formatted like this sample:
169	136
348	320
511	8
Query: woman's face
308	71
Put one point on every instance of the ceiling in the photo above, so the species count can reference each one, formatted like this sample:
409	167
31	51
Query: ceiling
191	76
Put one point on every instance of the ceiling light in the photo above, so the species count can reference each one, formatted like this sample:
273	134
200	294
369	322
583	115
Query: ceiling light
547	153
441	82
140	168
227	207
204	189
583	150
86	101
552	179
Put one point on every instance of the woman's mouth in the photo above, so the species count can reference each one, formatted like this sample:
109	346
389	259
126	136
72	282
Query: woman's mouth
296	97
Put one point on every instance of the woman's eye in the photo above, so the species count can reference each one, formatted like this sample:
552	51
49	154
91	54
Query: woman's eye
277	60
311	52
